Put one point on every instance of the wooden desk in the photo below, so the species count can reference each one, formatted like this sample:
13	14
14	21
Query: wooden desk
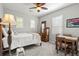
73	40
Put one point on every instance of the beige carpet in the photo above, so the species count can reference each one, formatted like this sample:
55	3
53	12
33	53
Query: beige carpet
46	49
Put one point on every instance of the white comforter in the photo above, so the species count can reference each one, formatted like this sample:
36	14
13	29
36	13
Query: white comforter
23	39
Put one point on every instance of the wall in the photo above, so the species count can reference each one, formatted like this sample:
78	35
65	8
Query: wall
1	11
26	20
67	12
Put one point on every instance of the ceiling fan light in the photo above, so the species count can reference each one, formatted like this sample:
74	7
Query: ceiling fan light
38	8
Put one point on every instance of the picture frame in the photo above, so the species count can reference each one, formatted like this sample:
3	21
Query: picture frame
72	23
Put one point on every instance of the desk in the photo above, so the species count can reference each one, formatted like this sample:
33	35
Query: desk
73	40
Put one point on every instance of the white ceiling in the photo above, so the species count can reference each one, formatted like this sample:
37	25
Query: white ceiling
24	8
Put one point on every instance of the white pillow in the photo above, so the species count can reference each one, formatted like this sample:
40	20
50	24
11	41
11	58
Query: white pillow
4	32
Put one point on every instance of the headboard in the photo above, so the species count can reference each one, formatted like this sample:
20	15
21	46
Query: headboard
1	49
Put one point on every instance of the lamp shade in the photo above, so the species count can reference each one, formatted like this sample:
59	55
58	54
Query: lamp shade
8	19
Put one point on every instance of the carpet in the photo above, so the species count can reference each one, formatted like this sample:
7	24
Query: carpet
46	49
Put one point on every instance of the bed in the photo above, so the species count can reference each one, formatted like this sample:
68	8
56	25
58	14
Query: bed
22	39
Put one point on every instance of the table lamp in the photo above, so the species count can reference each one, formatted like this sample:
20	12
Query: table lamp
9	20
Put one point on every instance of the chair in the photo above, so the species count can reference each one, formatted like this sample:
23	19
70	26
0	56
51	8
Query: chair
62	44
67	46
59	43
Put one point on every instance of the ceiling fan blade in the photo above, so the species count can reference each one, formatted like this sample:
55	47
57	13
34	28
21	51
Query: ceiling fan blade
32	7
44	8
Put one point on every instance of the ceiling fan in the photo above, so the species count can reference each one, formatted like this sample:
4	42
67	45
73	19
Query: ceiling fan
39	6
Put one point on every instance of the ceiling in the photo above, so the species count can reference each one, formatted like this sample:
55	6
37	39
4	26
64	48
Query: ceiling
24	8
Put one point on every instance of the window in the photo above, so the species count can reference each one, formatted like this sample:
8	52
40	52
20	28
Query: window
19	22
32	24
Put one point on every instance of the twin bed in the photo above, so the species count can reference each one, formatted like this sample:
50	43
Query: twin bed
21	39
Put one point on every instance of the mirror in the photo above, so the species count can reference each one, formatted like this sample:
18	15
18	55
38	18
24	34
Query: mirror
43	26
47	30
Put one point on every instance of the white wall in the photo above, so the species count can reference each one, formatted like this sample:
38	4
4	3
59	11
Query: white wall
1	11
68	12
26	20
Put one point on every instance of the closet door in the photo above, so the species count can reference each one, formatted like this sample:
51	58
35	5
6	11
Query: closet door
57	26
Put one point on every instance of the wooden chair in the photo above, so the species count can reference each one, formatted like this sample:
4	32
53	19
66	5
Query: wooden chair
67	46
59	43
63	44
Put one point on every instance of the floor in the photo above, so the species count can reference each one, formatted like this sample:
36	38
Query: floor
46	49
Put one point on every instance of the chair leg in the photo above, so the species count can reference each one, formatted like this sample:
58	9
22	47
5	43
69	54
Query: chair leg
77	48
65	49
57	50
40	44
56	47
72	48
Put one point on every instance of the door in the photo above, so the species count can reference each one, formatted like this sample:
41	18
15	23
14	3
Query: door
57	26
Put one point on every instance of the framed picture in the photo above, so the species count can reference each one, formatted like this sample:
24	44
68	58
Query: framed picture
72	23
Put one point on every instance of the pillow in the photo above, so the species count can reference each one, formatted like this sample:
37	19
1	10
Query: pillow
4	32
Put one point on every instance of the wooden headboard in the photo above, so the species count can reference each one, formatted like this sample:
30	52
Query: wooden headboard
1	49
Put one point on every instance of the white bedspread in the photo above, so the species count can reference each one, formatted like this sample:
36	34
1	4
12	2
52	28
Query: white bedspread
23	39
